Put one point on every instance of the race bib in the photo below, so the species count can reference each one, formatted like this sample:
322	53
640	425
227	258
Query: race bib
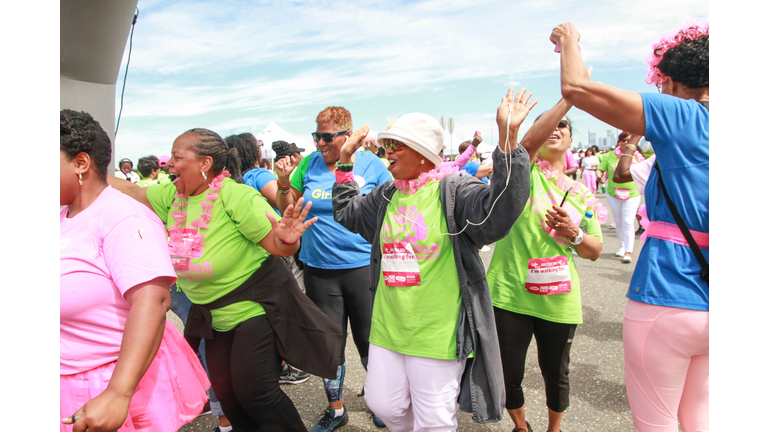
399	265
621	193
181	254
547	276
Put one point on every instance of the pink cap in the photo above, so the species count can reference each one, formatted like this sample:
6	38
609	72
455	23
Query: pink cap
163	160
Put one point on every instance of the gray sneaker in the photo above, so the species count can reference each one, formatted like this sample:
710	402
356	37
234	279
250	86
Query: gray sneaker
291	375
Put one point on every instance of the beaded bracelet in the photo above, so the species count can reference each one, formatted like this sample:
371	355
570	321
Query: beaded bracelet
631	147
628	155
345	167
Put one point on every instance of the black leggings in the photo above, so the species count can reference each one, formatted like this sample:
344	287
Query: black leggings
245	370
553	341
342	294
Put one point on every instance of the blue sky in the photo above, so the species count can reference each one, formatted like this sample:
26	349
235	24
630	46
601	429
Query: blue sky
234	67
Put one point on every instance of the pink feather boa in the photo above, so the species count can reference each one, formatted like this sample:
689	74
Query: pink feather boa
692	29
409	187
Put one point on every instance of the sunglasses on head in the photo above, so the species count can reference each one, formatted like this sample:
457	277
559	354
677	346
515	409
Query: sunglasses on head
393	144
326	136
562	124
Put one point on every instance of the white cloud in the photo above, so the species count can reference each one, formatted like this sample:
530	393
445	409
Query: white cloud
237	63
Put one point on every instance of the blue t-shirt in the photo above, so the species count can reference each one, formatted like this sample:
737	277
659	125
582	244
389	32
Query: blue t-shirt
257	178
326	244
667	274
471	168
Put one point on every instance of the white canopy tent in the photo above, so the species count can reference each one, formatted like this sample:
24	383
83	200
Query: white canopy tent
273	133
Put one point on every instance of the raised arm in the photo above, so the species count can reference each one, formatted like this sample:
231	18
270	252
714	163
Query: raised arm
619	108
542	129
130	189
622	174
510	115
291	195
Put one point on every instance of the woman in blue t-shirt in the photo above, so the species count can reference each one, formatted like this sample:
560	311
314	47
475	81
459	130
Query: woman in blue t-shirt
666	323
261	179
336	272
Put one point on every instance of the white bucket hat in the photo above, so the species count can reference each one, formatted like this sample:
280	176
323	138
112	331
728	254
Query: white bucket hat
420	132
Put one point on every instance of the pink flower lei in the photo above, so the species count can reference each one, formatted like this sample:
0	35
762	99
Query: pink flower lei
176	236
692	29
409	187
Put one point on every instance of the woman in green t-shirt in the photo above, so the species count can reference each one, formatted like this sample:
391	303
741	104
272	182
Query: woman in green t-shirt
532	277
221	238
432	318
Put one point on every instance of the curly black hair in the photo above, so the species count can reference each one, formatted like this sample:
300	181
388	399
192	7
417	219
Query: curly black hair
148	164
688	63
209	143
79	132
247	149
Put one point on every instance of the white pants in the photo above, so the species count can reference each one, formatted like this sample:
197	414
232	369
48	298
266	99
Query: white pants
624	212
412	393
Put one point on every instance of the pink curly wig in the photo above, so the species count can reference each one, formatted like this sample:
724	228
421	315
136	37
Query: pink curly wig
692	29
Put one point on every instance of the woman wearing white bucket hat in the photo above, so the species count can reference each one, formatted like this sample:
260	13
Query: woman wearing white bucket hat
432	316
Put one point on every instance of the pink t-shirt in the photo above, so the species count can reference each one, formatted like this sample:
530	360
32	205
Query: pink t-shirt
105	250
570	160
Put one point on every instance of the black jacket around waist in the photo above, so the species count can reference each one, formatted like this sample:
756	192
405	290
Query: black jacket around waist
306	337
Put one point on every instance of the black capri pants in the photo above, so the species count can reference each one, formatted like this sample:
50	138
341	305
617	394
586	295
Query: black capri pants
245	371
553	341
344	294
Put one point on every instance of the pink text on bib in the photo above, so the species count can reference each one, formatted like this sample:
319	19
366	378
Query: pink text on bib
399	265
547	276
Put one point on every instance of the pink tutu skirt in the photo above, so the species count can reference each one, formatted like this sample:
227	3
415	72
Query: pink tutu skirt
171	393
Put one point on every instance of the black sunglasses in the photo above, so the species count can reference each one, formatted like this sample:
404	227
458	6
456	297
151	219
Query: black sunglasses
562	124
326	136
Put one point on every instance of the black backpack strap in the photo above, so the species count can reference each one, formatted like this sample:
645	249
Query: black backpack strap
686	232
705	104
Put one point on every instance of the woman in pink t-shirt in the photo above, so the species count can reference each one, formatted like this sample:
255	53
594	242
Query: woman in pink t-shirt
122	366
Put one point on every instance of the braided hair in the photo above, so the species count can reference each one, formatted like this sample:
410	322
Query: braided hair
209	143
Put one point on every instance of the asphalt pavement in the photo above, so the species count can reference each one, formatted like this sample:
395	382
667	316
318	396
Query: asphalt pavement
598	400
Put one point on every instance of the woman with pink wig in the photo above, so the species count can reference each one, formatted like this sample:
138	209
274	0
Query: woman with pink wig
666	322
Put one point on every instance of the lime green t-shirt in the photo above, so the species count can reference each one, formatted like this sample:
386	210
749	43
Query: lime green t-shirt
608	164
230	254
146	182
528	240
163	178
418	320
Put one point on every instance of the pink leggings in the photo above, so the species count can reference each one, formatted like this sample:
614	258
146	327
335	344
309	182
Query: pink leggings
590	178
666	367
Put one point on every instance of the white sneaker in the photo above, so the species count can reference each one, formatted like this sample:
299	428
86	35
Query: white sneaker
627	259
485	249
620	253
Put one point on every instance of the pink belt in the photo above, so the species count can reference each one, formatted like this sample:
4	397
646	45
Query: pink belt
671	232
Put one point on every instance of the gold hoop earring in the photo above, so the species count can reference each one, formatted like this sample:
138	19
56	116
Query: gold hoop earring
80	179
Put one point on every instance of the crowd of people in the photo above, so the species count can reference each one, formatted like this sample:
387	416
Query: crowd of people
270	270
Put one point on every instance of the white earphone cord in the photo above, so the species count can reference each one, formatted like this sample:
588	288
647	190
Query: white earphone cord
507	163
